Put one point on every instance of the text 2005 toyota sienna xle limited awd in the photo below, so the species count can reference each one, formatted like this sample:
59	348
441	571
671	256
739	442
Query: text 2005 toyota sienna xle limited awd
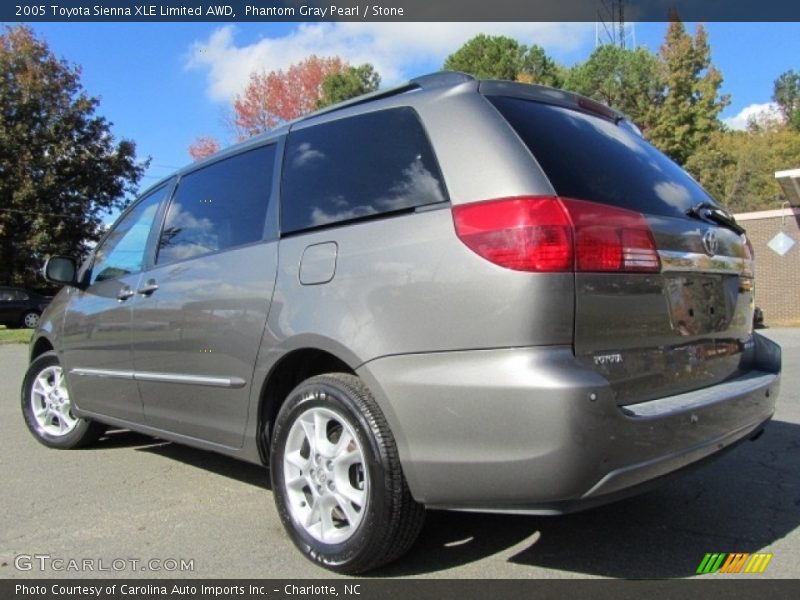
456	294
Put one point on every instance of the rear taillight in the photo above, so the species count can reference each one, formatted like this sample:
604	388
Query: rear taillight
612	239
551	234
525	234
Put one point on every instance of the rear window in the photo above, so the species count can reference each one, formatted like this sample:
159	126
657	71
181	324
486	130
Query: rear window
590	158
358	167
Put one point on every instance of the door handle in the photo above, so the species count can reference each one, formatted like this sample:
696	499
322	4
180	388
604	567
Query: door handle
125	293
149	287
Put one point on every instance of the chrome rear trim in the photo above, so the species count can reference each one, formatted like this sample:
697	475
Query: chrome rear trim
693	261
662	407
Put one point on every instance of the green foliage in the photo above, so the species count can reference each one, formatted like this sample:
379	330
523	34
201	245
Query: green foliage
738	167
539	68
627	80
60	168
349	83
501	57
687	112
488	57
786	94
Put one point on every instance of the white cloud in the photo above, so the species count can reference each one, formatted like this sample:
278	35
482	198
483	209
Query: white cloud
397	50
767	111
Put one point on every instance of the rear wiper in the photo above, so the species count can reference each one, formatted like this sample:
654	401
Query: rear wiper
712	212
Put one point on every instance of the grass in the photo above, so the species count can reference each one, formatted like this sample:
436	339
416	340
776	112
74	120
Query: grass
15	336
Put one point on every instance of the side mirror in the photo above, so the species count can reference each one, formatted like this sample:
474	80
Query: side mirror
62	270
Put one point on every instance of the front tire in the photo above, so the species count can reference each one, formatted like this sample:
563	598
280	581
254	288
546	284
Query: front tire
336	477
47	409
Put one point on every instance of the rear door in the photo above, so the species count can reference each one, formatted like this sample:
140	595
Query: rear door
681	327
200	311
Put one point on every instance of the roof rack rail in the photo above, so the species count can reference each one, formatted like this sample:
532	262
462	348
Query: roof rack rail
440	79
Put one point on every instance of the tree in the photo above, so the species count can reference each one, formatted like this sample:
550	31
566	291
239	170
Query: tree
203	146
279	96
501	57
539	68
627	80
488	57
687	113
348	83
786	94
737	167
60	167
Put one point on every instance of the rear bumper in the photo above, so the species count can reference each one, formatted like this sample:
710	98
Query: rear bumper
530	430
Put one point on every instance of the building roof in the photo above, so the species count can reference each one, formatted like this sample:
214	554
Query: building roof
790	183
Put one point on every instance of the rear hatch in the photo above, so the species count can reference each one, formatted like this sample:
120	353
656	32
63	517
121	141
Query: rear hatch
674	312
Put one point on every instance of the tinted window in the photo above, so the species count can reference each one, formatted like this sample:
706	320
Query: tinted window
358	167
13	295
590	158
218	207
122	252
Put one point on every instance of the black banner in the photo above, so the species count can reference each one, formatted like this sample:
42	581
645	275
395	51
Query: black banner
398	10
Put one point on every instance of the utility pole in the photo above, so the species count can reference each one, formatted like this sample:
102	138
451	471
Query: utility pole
611	27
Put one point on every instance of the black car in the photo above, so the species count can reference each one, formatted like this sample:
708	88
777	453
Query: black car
21	308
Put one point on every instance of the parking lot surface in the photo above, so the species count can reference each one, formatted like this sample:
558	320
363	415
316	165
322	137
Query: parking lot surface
131	499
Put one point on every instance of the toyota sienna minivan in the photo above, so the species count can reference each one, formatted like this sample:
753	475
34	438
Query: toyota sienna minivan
454	294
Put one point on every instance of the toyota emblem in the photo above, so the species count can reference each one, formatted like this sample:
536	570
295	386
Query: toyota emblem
710	242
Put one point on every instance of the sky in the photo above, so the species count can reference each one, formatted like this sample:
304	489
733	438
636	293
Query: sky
164	84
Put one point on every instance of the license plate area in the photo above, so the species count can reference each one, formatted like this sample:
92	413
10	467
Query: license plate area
701	304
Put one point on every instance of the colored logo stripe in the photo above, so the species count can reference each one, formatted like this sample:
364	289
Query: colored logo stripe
711	563
758	563
734	562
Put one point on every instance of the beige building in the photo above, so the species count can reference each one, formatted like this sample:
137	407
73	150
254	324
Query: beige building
775	235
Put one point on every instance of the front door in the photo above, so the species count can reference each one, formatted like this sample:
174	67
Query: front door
95	349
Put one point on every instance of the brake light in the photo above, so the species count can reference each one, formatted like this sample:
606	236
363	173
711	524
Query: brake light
524	234
551	234
611	239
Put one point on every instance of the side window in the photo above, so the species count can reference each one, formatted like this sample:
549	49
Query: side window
122	252
220	206
6	295
20	295
358	167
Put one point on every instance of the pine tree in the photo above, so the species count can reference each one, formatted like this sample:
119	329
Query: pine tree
687	113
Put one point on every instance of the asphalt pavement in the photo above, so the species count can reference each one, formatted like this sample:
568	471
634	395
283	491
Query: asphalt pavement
135	506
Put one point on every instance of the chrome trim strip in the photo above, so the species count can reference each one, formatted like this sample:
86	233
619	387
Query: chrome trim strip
226	382
694	261
110	373
754	381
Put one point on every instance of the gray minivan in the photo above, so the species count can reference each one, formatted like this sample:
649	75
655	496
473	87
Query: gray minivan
457	294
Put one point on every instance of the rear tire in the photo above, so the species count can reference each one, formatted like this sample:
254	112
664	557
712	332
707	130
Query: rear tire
47	409
337	479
